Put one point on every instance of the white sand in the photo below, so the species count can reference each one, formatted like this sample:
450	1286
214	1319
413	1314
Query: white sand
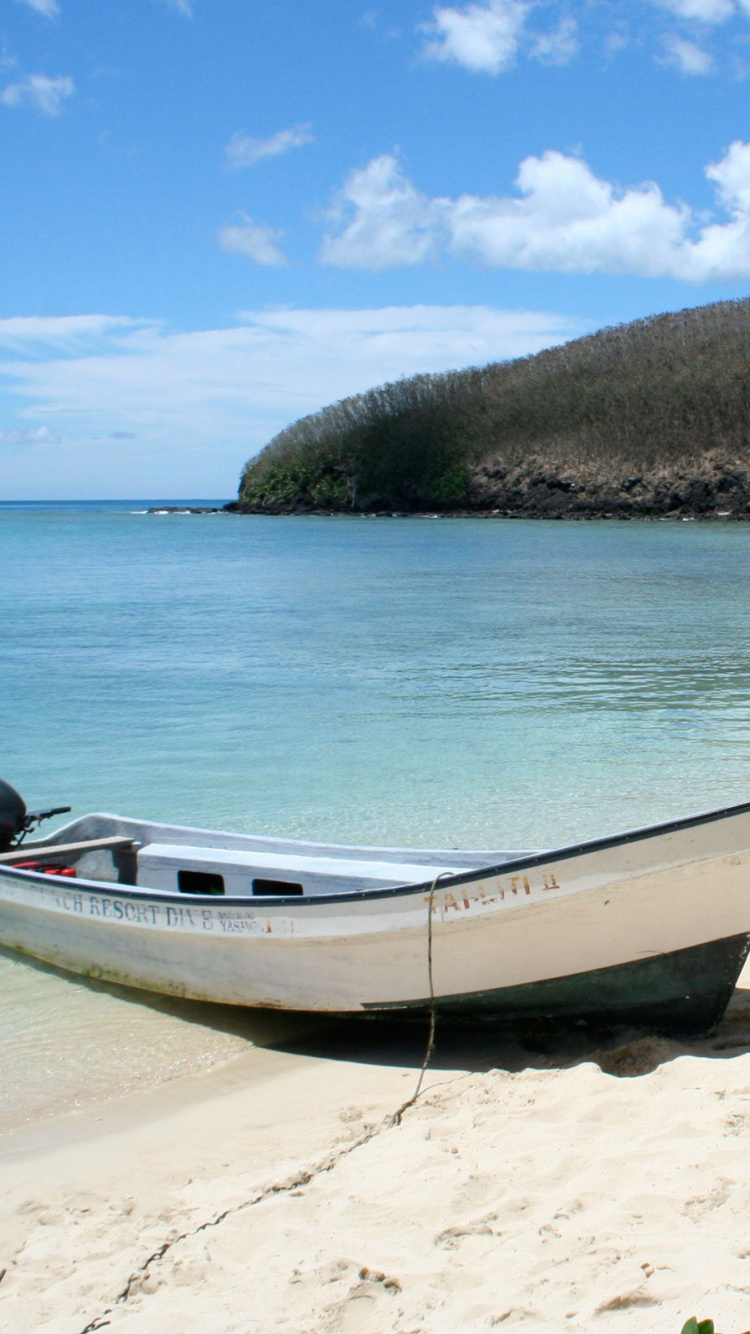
599	1191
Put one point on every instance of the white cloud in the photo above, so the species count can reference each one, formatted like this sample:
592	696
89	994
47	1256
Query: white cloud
558	47
40	92
49	8
570	221
244	151
39	435
194	406
732	176
253	240
701	11
64	333
389	223
687	57
182	6
487	36
563	219
483	37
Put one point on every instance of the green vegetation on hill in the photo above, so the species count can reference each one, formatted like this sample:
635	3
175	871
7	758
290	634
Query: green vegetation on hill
649	417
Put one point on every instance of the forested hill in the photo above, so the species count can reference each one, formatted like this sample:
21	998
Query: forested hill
650	418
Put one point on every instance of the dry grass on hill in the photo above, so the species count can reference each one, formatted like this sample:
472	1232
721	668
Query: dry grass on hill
651	417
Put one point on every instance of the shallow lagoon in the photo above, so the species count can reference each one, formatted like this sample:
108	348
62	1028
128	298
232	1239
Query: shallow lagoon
457	682
453	682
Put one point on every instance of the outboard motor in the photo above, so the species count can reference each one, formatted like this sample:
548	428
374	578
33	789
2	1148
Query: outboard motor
12	815
15	820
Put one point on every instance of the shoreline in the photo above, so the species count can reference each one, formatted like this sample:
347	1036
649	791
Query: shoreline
588	517
275	1193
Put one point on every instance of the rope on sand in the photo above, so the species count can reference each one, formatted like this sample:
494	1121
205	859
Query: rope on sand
397	1115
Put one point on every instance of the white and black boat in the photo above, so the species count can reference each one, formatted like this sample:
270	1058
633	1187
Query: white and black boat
646	928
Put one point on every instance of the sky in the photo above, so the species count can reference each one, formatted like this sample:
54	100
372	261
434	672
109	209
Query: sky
219	215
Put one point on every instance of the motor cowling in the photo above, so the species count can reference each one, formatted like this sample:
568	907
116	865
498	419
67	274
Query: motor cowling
13	815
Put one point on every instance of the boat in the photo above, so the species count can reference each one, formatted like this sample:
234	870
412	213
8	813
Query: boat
648	928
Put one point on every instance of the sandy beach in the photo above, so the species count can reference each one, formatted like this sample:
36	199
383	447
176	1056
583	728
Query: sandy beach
583	1187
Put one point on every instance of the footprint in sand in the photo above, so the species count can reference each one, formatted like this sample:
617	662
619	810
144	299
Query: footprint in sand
365	1309
515	1315
737	1123
451	1237
696	1208
627	1300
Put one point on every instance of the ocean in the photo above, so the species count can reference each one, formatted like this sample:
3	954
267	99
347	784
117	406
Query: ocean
475	683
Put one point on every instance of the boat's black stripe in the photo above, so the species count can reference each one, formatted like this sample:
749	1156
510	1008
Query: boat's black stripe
684	991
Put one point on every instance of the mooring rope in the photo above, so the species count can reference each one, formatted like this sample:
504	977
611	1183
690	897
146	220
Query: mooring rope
396	1120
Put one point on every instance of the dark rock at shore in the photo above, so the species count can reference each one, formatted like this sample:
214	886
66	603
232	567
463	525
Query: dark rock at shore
715	488
535	489
191	509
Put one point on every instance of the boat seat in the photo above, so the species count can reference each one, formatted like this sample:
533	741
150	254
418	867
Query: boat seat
35	851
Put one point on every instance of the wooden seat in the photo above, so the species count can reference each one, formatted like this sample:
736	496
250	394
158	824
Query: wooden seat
36	852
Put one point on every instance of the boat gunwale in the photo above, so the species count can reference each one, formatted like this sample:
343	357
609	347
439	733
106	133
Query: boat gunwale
446	881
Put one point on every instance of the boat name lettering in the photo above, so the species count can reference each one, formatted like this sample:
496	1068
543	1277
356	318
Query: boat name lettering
70	902
481	896
518	886
116	910
156	914
232	924
180	916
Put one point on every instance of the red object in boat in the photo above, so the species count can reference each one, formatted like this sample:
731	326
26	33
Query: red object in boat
47	867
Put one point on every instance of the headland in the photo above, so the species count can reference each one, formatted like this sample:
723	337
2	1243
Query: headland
647	420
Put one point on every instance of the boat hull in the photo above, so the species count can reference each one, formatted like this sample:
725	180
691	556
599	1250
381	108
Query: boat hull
680	994
650	928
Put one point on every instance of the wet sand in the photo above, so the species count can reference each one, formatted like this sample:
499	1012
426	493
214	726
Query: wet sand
583	1187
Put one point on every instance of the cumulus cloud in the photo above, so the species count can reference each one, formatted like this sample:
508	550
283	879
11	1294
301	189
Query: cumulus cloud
732	177
687	57
483	37
563	218
244	151
388	222
195	405
700	11
49	8
39	92
253	240
488	36
570	221
559	46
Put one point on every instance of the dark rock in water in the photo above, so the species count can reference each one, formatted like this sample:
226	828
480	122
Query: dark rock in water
189	509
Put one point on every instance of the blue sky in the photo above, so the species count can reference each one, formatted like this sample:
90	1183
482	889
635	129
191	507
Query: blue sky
221	214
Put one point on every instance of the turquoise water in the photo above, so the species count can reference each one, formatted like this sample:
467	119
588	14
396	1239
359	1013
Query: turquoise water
418	681
455	682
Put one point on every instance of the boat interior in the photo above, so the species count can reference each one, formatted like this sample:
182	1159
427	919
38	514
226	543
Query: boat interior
173	859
